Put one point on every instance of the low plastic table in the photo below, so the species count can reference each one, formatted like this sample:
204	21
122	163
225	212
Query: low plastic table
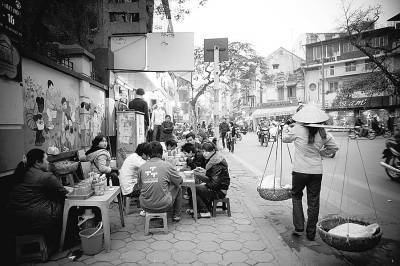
189	182
103	202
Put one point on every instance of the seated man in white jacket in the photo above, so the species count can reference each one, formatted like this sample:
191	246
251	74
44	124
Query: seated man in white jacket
129	171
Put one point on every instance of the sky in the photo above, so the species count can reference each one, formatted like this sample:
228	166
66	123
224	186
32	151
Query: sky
270	24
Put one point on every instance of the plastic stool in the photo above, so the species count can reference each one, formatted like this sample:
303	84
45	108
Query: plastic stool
150	216
225	206
23	241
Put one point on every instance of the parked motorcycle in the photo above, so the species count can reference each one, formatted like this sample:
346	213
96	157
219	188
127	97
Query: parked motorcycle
263	135
392	159
362	132
383	131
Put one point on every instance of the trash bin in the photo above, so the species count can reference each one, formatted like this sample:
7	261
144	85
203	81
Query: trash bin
92	240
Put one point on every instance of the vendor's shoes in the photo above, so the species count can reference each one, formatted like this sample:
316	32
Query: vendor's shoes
142	213
176	218
310	237
298	232
189	212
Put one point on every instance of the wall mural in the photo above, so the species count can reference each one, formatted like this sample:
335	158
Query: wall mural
55	118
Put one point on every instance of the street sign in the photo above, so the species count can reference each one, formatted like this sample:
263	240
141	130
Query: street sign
11	19
210	44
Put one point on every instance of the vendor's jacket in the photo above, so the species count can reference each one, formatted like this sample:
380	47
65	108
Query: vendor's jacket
166	130
157	180
100	161
217	173
37	202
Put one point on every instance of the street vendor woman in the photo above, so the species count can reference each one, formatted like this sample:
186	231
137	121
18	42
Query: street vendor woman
310	142
100	159
36	199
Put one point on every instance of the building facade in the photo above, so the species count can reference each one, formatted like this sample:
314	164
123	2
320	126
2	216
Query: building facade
332	62
281	91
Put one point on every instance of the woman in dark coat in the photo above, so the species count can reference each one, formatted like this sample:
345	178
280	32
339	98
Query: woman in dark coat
167	127
37	199
215	178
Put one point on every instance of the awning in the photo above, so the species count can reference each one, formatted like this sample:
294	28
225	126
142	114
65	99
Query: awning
267	112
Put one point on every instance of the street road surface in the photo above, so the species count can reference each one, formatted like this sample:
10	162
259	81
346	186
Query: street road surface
345	189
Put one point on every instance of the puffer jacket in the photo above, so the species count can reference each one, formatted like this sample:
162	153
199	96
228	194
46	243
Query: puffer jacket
217	172
37	202
100	161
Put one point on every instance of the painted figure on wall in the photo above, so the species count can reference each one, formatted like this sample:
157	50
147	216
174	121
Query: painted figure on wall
48	114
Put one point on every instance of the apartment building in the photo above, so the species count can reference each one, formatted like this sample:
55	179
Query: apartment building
280	93
332	62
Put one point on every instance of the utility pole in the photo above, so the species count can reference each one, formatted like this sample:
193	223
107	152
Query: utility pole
216	83
323	76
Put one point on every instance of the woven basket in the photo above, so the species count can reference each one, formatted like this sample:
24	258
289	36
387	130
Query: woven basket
64	167
354	244
275	194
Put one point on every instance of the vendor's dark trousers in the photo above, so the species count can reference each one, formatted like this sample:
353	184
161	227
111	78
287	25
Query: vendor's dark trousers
313	184
156	132
205	197
223	137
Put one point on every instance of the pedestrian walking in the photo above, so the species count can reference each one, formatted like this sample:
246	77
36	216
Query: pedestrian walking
223	128
310	144
140	105
157	119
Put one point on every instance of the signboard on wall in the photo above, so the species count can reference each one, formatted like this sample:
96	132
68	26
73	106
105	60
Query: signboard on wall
170	51
11	19
159	51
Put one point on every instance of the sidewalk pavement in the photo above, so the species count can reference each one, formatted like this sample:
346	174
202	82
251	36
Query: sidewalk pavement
246	238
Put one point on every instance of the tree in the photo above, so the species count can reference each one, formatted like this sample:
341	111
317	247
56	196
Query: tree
238	71
357	26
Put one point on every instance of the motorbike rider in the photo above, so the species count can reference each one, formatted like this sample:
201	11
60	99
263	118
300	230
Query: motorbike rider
259	127
359	127
375	125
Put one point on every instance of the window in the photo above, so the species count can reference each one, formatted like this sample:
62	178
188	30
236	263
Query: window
369	65
122	1
316	52
275	66
124	17
332	70
333	86
347	47
291	91
350	66
379	41
280	94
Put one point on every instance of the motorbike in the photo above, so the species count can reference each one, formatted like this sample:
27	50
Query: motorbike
391	154
263	135
360	132
383	131
210	133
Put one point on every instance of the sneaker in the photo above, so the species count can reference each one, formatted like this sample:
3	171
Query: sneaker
142	213
176	218
205	215
298	232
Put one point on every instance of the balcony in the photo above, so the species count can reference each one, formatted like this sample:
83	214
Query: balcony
290	102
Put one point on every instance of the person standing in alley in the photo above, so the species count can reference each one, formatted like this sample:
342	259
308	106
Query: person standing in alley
157	119
223	128
167	127
140	105
311	143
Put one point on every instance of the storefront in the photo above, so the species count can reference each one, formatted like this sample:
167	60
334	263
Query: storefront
343	113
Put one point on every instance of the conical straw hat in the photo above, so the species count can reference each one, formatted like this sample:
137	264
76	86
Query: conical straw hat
310	114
